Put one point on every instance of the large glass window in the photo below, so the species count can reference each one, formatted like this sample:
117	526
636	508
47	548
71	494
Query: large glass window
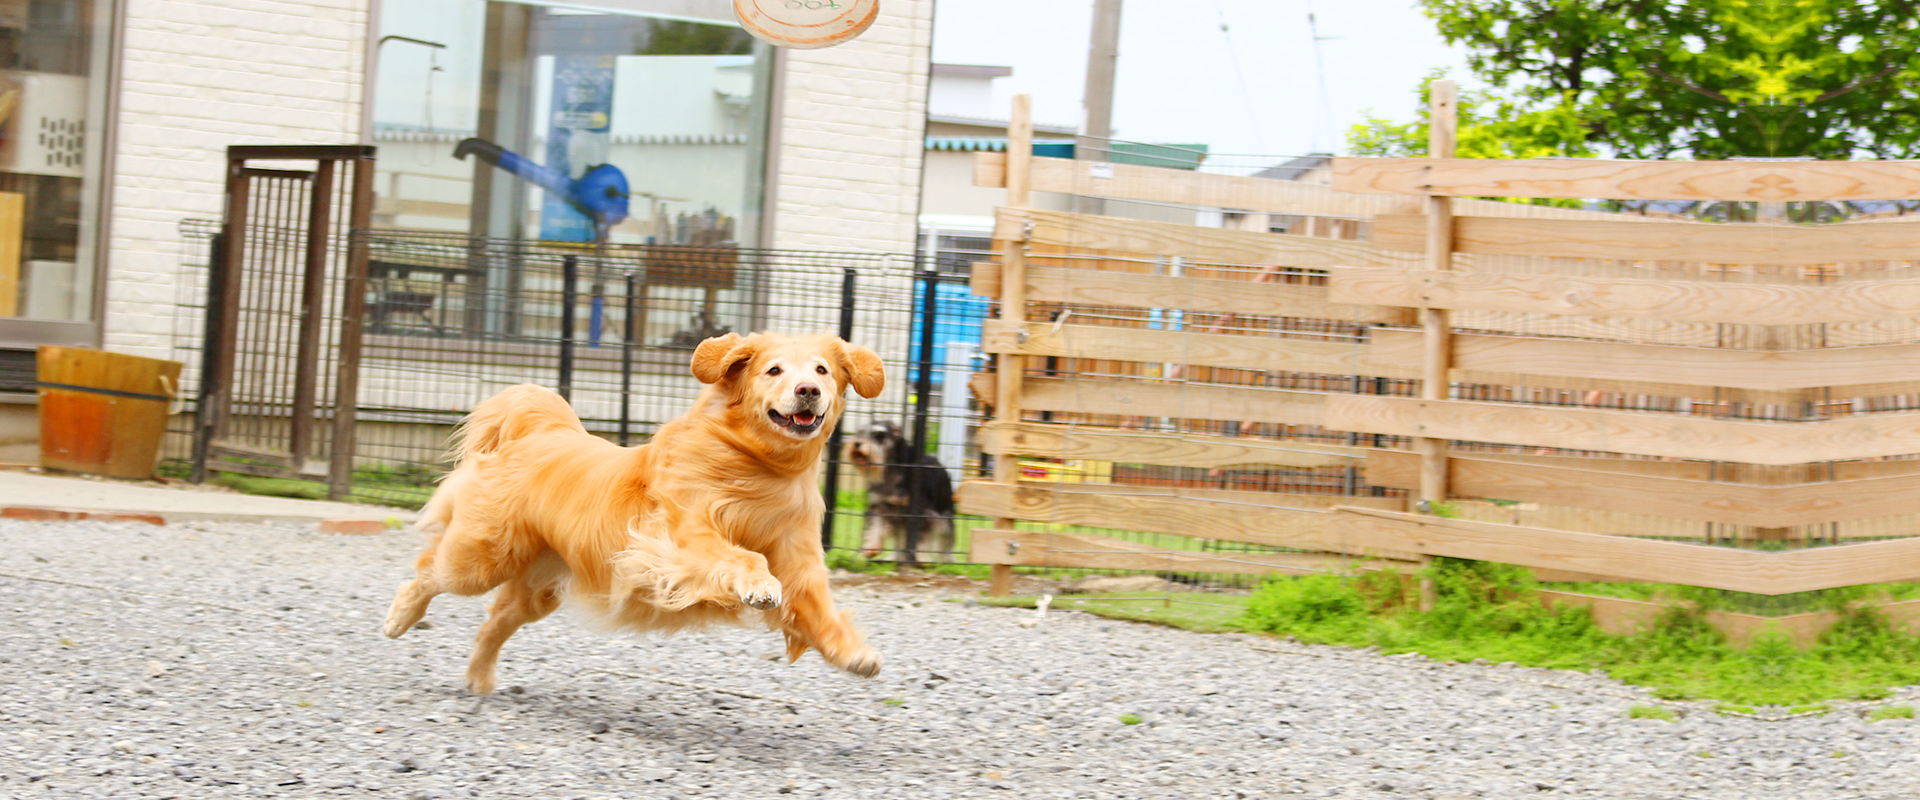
48	152
497	119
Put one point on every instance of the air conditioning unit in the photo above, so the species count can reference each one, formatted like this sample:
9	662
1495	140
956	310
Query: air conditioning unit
46	132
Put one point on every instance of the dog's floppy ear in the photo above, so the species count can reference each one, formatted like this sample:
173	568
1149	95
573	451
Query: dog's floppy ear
864	370
714	357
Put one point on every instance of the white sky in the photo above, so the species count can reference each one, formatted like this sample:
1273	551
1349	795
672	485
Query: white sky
1177	81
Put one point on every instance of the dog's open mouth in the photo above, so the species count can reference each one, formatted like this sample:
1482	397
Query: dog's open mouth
799	423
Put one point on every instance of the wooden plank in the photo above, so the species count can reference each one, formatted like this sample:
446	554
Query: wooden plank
1132	290
1681	301
1010	369
1083	232
1167	449
1176	400
1732	503
1640	433
1637	559
1234	522
1666	241
1236	351
1188	187
1762	370
1593	178
13	216
1028	548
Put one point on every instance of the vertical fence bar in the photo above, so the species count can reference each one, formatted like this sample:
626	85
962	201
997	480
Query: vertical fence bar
1011	367
353	316
626	361
223	315
831	491
1437	323
923	382
313	292
569	286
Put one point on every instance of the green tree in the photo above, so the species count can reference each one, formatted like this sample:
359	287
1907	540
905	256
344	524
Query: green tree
1706	79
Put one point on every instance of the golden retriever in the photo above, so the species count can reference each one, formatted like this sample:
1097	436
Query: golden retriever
715	520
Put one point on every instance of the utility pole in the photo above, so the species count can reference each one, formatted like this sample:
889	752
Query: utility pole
1103	58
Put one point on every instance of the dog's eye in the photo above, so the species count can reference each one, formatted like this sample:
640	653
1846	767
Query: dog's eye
773	371
821	370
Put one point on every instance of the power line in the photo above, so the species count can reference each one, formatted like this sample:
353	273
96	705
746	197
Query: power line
1320	71
1233	54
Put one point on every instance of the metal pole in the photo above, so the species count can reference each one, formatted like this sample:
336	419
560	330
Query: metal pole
831	492
213	340
626	360
923	382
569	286
1103	61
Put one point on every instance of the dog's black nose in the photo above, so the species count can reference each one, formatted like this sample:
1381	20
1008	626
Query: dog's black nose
807	390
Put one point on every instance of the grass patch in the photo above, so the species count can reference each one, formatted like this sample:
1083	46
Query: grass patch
1195	611
1492	611
1890	712
1661	713
372	486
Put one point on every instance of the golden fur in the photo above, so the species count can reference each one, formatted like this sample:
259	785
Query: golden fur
715	520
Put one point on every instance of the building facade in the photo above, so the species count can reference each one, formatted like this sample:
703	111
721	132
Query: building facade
119	113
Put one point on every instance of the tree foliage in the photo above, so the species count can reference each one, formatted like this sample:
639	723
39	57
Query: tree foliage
1707	79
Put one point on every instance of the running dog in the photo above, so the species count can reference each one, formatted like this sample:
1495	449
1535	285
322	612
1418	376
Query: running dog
909	495
715	520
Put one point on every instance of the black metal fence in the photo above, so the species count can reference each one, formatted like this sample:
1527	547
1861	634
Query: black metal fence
452	319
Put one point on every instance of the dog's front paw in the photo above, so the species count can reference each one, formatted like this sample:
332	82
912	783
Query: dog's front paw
863	662
762	593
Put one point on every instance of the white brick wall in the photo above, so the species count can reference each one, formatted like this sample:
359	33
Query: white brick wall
197	77
853	135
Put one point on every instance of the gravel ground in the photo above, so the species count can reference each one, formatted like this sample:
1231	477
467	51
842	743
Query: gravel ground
230	660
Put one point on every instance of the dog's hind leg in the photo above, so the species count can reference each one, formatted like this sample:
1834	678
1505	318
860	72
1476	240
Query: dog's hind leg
521	600
467	559
940	537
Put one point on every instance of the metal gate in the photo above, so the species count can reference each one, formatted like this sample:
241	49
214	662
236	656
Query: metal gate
285	315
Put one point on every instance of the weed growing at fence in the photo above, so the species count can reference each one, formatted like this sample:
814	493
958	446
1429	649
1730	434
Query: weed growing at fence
1492	611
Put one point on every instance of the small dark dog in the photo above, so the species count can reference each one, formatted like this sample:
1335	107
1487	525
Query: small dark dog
909	496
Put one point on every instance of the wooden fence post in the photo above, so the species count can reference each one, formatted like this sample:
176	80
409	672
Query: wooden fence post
1009	367
1437	323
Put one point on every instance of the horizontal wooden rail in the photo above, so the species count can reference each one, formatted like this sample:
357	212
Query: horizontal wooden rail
1301	528
1182	401
1370	532
1761	181
1763	370
1670	241
1027	548
1681	301
1736	504
1640	433
1181	347
1089	287
1070	442
1087	232
1211	190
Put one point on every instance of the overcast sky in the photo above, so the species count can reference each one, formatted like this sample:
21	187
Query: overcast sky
1178	80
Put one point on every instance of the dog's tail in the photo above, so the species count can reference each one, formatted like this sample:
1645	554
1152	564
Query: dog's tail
514	413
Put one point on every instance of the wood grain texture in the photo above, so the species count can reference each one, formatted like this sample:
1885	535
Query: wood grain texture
1027	548
1669	241
1677	301
1180	401
1732	503
1084	232
1282	527
1167	449
98	434
1181	347
1640	433
1168	185
1131	290
1590	178
1762	370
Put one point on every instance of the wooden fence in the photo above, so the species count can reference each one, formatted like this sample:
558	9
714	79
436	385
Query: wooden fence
1733	406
